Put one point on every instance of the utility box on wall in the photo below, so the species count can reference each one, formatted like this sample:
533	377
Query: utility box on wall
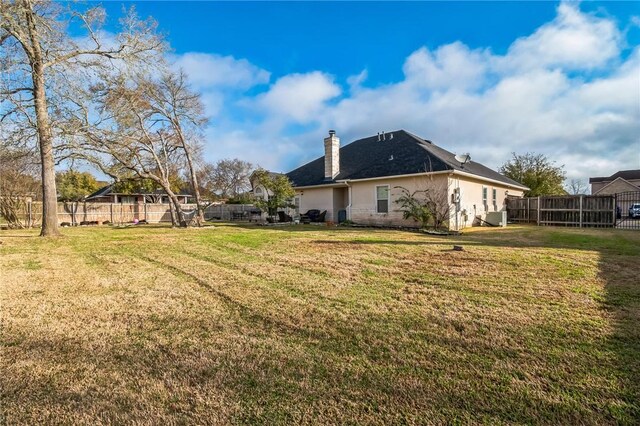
497	218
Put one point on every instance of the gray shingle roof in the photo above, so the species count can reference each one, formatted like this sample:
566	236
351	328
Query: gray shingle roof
624	174
402	154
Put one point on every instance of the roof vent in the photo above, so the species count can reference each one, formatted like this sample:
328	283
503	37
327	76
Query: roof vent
391	158
390	136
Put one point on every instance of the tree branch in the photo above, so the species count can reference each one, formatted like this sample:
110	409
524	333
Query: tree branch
17	90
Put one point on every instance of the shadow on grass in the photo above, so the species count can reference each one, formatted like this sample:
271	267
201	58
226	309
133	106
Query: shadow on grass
378	367
618	252
619	269
390	242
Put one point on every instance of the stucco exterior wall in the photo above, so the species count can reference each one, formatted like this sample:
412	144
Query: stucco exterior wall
363	198
472	204
363	208
317	198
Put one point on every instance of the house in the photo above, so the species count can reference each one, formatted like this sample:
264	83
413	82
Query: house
362	181
258	190
622	181
108	195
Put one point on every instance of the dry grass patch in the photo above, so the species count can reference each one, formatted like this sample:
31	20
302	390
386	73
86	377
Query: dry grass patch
151	325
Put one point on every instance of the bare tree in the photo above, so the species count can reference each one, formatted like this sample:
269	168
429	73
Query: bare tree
228	177
172	103
577	187
18	184
427	204
129	139
40	55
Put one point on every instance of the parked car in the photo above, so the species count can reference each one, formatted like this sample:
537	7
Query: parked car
634	210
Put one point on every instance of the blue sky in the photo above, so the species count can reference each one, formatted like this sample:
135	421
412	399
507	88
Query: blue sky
487	78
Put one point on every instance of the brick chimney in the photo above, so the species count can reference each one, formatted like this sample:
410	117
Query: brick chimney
331	155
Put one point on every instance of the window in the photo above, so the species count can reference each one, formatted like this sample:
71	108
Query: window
494	196
382	199
484	195
296	202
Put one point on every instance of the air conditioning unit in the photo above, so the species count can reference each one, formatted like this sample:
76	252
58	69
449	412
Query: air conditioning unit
497	218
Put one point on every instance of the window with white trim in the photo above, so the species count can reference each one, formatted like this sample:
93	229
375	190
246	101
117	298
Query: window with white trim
494	197
484	195
382	199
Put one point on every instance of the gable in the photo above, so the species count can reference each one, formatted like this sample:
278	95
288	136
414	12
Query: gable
618	185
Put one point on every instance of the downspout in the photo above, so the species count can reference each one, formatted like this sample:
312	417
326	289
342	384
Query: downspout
349	205
457	201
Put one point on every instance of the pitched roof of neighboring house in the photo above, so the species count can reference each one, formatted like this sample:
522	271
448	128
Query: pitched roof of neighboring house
621	185
624	174
400	154
108	190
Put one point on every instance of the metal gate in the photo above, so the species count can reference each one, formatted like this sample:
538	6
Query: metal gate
628	210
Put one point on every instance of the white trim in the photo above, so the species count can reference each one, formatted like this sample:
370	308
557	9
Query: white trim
340	184
485	199
344	182
396	176
520	187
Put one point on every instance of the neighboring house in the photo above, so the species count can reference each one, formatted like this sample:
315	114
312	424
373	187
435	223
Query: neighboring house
258	190
107	195
362	179
622	181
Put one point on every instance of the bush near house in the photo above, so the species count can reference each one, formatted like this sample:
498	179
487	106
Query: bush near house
316	325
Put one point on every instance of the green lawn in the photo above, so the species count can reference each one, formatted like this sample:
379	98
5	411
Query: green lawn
232	324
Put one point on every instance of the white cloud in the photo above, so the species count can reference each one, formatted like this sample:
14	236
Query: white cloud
573	40
541	96
206	70
451	65
355	81
299	97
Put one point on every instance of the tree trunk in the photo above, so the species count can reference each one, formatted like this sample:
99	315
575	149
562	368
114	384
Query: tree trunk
179	213
192	172
45	137
196	190
172	211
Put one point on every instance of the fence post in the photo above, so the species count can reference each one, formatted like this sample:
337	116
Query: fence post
539	208
29	220
528	210
111	212
581	211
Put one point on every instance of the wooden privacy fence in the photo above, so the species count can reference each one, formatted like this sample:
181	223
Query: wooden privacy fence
77	212
572	210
